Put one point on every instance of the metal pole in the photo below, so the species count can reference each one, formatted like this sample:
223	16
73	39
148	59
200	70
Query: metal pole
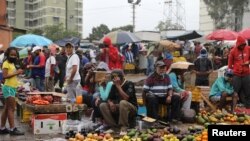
133	6
66	14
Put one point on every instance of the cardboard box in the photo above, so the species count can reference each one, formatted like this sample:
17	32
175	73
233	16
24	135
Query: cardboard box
48	123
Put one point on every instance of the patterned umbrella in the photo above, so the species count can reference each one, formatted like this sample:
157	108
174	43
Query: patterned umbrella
121	37
29	40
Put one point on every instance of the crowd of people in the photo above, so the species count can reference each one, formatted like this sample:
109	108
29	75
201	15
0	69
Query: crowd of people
113	98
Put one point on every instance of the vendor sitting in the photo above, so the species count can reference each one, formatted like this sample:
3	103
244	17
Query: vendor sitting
222	88
121	102
177	79
177	57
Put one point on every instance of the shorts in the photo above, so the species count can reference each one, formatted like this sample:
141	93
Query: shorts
8	91
216	97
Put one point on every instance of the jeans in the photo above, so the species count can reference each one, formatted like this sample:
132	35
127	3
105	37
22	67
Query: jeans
173	109
242	84
150	67
39	83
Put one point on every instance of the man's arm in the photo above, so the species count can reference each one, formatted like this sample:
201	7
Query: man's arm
230	60
73	72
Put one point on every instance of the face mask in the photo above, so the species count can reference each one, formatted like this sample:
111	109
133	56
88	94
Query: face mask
12	60
226	78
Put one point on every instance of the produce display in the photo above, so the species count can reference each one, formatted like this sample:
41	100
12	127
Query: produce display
205	118
42	99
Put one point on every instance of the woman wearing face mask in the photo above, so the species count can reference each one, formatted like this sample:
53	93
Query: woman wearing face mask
9	91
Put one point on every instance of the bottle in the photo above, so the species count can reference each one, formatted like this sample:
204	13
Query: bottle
79	98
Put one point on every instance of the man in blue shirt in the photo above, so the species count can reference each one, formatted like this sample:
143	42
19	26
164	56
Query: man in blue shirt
222	88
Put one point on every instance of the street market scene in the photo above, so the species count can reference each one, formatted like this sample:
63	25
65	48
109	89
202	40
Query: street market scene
89	70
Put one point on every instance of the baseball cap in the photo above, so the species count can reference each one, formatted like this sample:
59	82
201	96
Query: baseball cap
36	48
69	43
160	64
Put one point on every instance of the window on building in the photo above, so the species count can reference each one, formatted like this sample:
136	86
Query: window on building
52	10
56	20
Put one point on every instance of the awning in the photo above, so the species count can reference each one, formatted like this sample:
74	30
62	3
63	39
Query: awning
189	35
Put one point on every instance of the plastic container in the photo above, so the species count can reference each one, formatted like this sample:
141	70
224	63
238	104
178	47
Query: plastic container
79	97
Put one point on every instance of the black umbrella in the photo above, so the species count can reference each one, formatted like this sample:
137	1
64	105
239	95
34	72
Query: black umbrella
73	40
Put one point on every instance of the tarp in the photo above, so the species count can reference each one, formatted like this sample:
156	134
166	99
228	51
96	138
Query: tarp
189	35
149	36
73	40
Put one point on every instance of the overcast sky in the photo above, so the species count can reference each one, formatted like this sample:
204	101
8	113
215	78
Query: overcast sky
116	13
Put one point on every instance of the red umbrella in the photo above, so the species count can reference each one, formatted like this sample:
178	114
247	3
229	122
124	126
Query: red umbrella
222	34
245	33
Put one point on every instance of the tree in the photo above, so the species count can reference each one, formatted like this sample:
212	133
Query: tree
98	32
55	32
124	28
168	25
228	13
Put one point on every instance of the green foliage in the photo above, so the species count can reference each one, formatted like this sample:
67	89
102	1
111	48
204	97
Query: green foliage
168	25
124	28
16	34
98	32
55	32
223	12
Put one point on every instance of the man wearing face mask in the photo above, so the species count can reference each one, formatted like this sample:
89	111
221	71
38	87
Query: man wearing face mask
222	88
157	90
38	68
109	54
202	68
239	59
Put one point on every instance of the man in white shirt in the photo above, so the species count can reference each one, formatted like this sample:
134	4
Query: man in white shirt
49	72
72	71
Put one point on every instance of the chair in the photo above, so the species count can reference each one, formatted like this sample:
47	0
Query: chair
205	90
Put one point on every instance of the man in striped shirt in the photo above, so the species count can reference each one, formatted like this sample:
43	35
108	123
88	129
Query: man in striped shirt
157	90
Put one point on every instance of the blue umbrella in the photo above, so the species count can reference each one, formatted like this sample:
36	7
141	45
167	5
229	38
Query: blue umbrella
30	40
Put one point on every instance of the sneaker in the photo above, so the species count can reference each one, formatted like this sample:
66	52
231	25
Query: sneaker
4	131
16	132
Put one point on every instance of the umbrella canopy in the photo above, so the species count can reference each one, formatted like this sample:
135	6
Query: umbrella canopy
121	37
245	33
188	35
222	34
73	40
181	65
168	45
30	40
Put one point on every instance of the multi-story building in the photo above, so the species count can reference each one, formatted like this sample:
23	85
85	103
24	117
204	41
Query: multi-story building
36	14
207	23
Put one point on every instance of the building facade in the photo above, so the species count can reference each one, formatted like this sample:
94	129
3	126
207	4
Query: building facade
207	23
36	14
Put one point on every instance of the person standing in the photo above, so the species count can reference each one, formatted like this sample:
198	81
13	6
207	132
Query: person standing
38	68
202	68
61	59
9	91
72	71
239	59
49	72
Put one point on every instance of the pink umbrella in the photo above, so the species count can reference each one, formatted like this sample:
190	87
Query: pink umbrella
222	34
245	33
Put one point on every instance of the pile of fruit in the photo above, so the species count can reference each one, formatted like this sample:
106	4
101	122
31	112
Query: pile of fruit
219	116
92	137
38	99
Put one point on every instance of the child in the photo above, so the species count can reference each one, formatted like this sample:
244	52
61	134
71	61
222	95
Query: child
9	91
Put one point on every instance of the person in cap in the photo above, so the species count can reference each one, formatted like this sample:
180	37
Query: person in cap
157	90
202	68
223	88
38	68
121	102
72	71
239	60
